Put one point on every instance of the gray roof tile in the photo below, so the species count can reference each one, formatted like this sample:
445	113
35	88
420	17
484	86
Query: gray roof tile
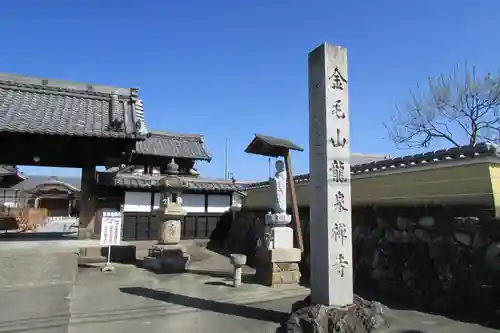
270	146
361	163
129	180
7	170
33	181
174	145
212	185
149	181
42	106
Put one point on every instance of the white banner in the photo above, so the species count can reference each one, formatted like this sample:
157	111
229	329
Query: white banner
111	227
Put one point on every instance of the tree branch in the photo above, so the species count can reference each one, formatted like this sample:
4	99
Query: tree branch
458	109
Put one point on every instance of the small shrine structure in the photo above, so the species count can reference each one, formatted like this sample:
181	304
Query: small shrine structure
277	255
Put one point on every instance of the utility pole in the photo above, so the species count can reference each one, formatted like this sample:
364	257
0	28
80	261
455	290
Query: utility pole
226	166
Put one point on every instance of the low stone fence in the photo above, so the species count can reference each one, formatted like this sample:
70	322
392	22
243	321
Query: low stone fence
433	260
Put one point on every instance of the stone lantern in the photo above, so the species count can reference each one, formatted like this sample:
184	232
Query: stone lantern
168	255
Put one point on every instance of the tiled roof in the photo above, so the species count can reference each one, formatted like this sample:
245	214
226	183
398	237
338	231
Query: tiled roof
42	106
149	181
174	145
129	180
33	181
270	146
7	170
357	158
212	185
410	161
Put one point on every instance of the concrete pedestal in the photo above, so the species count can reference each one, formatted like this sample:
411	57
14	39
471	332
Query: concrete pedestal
278	266
278	237
282	237
167	259
237	260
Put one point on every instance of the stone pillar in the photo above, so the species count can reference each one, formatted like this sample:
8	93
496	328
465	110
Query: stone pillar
330	183
88	202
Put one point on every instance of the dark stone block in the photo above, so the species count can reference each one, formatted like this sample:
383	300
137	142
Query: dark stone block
120	253
167	259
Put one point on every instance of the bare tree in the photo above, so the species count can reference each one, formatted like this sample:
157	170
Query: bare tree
461	109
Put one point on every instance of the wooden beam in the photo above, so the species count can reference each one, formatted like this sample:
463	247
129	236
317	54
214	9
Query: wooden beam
63	151
295	206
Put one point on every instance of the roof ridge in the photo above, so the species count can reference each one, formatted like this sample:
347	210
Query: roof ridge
400	162
187	135
33	82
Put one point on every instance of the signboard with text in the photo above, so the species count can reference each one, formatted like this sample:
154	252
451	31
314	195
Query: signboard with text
111	227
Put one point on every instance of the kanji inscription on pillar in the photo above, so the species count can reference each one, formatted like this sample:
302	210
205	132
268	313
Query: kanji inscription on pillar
339	232
330	181
338	171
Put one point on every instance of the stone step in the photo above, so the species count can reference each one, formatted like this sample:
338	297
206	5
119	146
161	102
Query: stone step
121	253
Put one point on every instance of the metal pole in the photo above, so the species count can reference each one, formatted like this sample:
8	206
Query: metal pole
226	166
109	255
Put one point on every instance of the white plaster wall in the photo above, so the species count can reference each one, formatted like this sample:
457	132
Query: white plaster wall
219	203
193	203
237	200
137	202
157	200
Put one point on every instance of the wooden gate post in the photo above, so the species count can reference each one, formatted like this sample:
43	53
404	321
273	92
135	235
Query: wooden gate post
293	196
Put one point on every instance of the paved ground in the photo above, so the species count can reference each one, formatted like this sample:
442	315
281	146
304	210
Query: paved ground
34	290
44	291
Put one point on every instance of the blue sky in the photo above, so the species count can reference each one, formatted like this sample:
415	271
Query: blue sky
235	68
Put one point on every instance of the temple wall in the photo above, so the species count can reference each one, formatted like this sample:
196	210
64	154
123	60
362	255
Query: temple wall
432	256
450	185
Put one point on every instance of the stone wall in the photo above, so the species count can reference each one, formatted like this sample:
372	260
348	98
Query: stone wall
429	262
431	257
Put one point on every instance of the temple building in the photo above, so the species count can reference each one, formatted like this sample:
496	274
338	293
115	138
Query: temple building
136	189
59	123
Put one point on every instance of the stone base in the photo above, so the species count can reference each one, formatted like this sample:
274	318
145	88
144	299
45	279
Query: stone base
85	233
107	268
167	259
277	266
360	317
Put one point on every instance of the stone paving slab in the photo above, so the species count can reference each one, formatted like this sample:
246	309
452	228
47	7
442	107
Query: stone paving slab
35	309
251	318
130	299
35	288
403	321
129	290
53	245
40	291
25	268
